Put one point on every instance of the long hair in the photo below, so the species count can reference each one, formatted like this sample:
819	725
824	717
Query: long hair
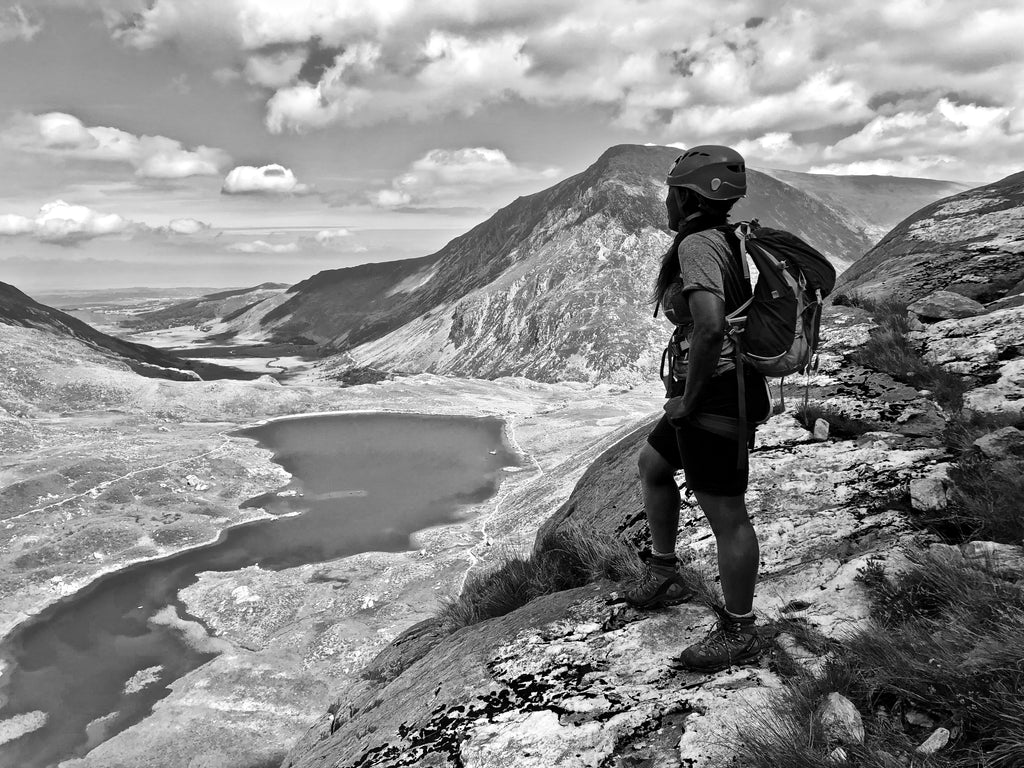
699	213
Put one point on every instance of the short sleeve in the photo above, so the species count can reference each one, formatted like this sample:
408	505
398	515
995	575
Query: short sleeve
702	265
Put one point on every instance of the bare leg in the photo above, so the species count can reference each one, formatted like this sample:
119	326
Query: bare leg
738	551
661	498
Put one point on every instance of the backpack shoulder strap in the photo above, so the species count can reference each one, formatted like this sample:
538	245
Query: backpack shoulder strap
739	290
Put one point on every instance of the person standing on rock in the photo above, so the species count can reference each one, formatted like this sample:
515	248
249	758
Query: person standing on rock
701	280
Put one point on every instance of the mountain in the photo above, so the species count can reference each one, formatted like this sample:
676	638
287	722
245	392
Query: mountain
16	308
222	305
971	243
870	204
553	286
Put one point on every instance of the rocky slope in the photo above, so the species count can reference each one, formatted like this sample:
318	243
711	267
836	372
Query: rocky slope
553	286
16	308
577	679
971	244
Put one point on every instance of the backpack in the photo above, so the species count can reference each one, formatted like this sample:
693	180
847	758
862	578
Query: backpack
776	330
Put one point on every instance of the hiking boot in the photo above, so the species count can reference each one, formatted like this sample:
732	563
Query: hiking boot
661	583
734	642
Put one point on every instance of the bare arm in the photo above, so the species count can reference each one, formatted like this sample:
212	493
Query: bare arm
708	313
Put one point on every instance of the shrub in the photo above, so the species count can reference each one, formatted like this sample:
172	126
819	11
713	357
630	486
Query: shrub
948	642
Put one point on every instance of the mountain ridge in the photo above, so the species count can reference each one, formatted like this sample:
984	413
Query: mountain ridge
17	308
554	285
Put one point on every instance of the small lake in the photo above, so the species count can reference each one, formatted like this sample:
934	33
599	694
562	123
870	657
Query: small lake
96	662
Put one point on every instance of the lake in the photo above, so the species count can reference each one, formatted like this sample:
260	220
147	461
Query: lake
96	662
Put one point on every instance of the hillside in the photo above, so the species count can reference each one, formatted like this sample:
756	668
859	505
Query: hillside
971	243
871	204
553	286
221	305
16	308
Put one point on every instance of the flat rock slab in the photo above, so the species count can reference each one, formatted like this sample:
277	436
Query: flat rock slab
945	305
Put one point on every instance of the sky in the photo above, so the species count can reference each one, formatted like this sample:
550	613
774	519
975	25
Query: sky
196	143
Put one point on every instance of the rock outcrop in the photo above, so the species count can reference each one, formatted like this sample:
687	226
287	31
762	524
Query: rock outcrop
579	679
971	244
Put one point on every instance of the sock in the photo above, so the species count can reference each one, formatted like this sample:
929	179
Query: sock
742	617
663	555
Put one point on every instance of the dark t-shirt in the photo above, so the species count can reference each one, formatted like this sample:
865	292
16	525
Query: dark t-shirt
706	263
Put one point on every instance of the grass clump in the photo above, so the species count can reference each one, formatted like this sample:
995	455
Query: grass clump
987	500
839	425
889	349
947	642
567	557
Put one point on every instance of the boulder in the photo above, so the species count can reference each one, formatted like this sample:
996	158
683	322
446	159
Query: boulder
1002	444
839	720
1002	559
1005	560
945	305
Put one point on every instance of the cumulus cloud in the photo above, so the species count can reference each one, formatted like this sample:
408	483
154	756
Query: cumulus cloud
61	223
734	72
262	246
187	226
153	157
328	237
459	177
271	179
16	24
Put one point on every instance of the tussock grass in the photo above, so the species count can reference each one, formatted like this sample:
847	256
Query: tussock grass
571	556
988	497
839	425
987	501
889	349
948	642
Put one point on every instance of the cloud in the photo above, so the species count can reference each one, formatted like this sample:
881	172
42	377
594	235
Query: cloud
153	157
267	179
262	246
459	178
15	24
734	72
187	226
327	237
61	223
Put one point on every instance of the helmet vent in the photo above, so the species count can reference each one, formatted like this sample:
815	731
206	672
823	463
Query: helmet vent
736	167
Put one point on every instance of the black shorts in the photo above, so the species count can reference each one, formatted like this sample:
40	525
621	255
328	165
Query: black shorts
709	461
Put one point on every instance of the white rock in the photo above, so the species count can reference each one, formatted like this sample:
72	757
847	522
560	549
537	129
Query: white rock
931	492
839	720
919	719
821	428
837	755
935	742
